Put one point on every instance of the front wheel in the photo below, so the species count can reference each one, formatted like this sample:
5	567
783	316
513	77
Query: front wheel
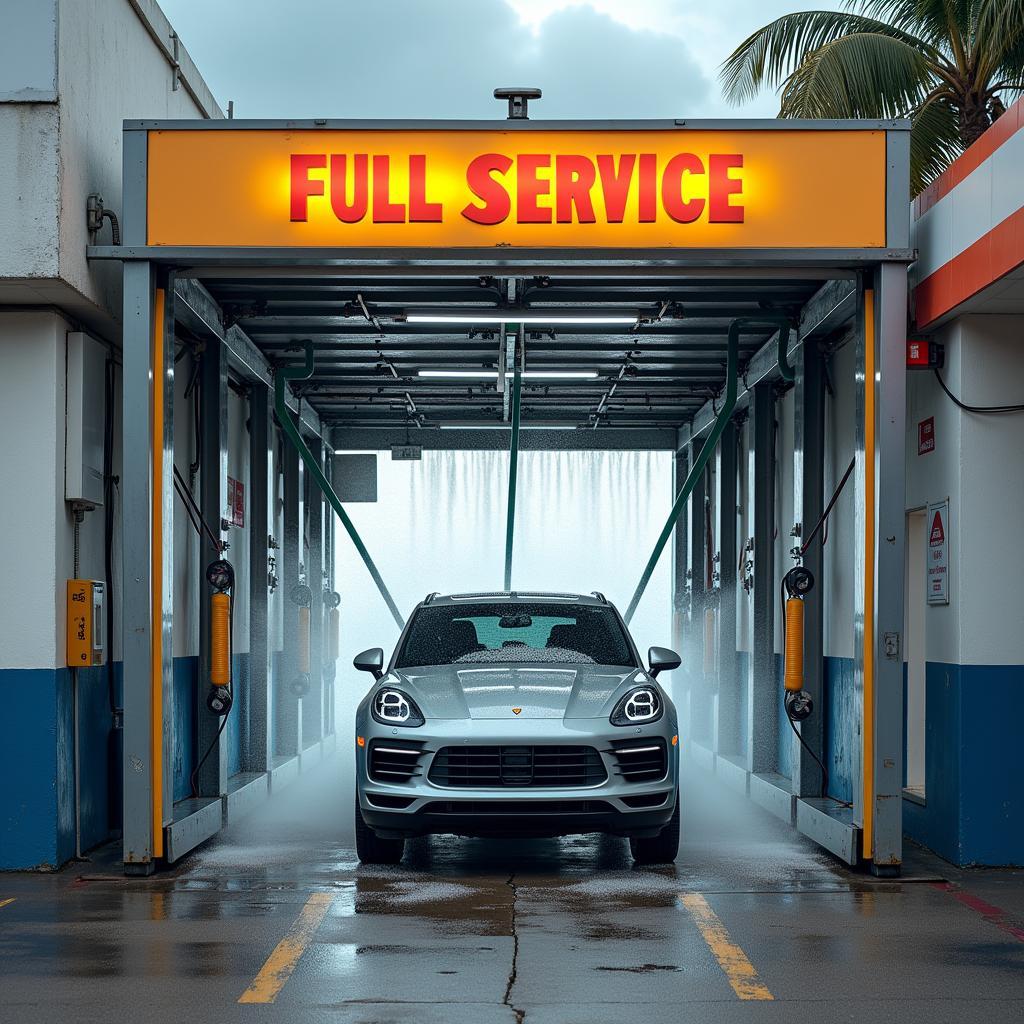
662	848
371	848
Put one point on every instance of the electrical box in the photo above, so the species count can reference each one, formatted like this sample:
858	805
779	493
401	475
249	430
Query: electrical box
86	623
84	420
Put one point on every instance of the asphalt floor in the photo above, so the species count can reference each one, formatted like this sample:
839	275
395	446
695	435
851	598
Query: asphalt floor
274	920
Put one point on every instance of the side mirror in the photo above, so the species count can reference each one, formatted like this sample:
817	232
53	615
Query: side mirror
661	659
372	661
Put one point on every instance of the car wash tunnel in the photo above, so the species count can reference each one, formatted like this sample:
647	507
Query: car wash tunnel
679	788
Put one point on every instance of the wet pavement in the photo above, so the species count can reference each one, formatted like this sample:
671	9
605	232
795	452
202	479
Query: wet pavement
275	920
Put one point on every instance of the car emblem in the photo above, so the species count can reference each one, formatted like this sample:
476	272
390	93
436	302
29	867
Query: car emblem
515	711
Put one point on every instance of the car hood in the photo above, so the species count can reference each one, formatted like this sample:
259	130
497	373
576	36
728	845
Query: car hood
493	691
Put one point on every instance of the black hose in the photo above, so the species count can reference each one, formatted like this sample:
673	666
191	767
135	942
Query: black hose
982	409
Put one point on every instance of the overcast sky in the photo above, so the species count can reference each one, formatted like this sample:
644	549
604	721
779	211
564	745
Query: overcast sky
443	58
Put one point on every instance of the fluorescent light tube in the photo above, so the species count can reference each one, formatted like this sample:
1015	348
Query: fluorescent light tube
511	317
526	374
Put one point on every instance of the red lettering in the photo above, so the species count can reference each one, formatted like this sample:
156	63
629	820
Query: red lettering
529	188
385	211
302	185
721	186
683	211
574	178
648	200
615	184
497	204
346	212
420	211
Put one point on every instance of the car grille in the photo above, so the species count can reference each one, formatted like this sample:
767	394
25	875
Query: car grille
495	766
395	760
640	760
533	808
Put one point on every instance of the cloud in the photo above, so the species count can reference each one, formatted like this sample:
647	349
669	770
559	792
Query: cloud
409	58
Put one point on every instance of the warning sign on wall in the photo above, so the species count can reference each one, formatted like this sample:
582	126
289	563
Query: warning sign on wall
236	502
926	436
938	553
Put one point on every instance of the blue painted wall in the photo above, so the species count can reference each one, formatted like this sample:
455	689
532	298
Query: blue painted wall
783	733
841	718
186	679
238	720
974	812
37	812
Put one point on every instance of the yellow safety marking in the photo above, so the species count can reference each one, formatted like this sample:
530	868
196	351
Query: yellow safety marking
868	737
3	903
280	964
733	961
156	655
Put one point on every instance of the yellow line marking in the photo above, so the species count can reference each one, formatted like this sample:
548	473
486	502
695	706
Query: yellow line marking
733	961
280	964
3	903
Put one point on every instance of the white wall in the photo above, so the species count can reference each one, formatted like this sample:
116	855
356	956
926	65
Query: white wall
977	463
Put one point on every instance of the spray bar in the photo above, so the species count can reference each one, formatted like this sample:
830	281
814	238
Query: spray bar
703	457
281	377
513	465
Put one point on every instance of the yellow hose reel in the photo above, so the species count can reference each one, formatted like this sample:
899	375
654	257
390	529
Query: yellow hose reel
221	576
797	583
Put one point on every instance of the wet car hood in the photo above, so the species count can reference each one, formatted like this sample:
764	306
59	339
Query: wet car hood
539	691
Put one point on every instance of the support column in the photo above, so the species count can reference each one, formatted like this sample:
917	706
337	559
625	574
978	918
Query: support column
286	702
680	556
883	723
762	712
213	489
728	738
313	702
147	523
699	696
808	503
259	756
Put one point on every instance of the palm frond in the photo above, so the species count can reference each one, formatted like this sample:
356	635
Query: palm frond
773	53
999	40
858	75
934	141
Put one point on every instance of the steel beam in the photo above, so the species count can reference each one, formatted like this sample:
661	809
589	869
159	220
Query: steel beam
697	560
808	503
680	564
258	755
513	459
313	701
727	738
884	845
146	614
496	438
762	691
286	703
212	780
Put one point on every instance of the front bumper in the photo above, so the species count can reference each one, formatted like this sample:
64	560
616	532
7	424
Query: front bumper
615	806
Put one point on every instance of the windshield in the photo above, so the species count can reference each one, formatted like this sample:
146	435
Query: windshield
514	632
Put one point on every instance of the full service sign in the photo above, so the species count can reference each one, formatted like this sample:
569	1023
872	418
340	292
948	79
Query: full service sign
536	188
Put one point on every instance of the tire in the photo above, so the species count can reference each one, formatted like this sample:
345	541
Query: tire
371	848
662	848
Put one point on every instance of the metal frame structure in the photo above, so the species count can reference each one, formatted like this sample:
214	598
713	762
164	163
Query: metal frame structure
867	283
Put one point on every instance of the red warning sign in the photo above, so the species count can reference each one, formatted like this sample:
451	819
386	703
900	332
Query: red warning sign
926	436
938	553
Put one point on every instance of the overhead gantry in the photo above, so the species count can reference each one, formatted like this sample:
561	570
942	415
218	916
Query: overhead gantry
525	285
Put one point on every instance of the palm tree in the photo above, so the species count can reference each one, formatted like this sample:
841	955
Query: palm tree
945	64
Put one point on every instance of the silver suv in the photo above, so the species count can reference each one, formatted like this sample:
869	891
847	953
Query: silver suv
516	714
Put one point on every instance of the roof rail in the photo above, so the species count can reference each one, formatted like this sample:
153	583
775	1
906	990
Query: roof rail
599	596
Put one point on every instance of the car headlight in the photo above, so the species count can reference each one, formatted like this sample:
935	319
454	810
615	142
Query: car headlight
393	707
642	704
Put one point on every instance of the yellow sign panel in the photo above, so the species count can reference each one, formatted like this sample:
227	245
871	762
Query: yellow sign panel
746	189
